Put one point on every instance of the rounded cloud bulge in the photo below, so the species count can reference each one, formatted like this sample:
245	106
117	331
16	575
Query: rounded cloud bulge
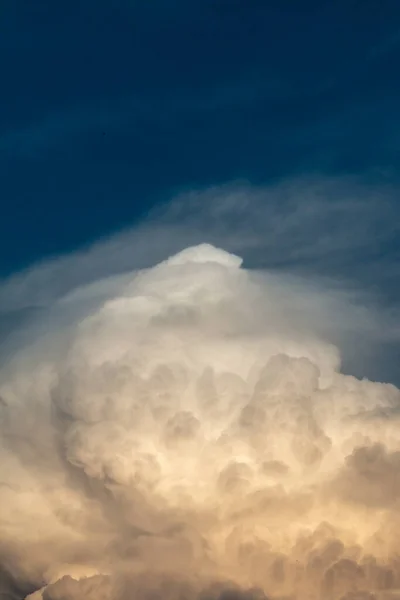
185	430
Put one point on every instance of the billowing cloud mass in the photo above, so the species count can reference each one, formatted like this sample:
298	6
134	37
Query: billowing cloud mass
186	432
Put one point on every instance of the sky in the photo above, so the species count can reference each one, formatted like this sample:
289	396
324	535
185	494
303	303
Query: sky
129	130
199	248
108	108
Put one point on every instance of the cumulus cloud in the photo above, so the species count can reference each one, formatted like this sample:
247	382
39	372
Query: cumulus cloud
185	431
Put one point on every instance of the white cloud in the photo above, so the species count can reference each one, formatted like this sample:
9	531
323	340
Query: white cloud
185	430
335	231
333	227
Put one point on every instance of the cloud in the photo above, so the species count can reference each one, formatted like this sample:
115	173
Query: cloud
122	114
185	430
40	136
339	232
371	476
321	225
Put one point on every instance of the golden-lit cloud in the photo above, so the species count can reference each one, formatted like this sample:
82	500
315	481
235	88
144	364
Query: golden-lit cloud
190	435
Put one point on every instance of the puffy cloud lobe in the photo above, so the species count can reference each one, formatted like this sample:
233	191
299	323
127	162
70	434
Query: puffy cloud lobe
191	435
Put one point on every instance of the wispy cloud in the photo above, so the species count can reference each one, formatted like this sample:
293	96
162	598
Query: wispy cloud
337	227
122	113
49	131
339	232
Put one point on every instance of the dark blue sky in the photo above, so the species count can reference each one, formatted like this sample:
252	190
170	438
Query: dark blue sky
107	107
